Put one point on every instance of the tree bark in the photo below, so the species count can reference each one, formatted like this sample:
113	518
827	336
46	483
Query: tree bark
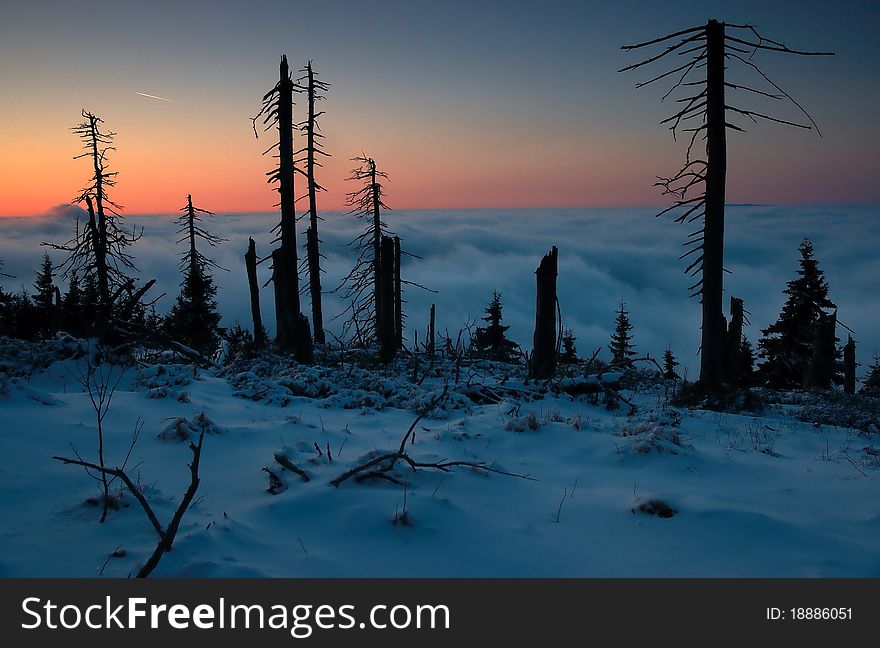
849	366
545	338
387	337
250	262
398	297
712	347
312	249
289	328
733	341
821	371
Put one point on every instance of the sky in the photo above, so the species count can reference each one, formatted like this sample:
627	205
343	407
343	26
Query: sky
464	104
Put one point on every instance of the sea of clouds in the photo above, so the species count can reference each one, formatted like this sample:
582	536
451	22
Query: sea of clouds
605	254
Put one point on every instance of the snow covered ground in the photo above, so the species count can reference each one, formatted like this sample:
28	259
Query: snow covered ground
753	495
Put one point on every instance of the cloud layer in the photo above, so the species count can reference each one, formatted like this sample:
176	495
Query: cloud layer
604	255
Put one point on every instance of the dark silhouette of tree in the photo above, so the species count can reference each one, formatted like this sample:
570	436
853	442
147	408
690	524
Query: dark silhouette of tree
490	341
250	262
546	339
746	364
849	366
309	158
44	297
291	326
669	365
569	349
73	311
787	345
621	346
360	288
710	48
871	381
193	319
99	248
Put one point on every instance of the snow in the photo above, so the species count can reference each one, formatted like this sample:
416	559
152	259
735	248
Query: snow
765	495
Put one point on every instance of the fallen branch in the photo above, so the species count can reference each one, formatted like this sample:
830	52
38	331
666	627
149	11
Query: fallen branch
288	464
166	535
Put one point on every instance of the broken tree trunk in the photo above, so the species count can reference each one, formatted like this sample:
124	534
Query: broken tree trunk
312	249
712	347
545	339
398	297
387	337
849	366
429	343
250	262
821	371
733	341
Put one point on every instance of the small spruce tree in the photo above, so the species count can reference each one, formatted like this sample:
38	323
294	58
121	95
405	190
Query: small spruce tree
669	365
193	319
491	341
569	350
621	346
871	382
44	297
787	345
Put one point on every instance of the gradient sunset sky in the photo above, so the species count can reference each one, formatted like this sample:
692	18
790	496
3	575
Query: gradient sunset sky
464	104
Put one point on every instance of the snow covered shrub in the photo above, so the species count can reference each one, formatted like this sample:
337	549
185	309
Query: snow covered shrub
20	358
655	431
523	423
161	381
179	429
858	412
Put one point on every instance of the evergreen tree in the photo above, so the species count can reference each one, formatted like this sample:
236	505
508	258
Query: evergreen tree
569	350
621	346
193	319
871	382
490	341
787	344
73	312
90	303
669	365
44	298
746	363
23	315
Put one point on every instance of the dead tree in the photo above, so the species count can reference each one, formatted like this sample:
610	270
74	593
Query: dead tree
429	343
291	326
387	300
360	288
546	339
314	90
168	533
821	371
733	342
709	48
398	297
250	262
99	249
849	366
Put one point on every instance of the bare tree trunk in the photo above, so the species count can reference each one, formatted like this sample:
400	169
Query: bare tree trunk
312	249
387	338
849	366
313	253
398	297
250	262
821	371
430	340
289	327
712	347
545	338
377	249
733	341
